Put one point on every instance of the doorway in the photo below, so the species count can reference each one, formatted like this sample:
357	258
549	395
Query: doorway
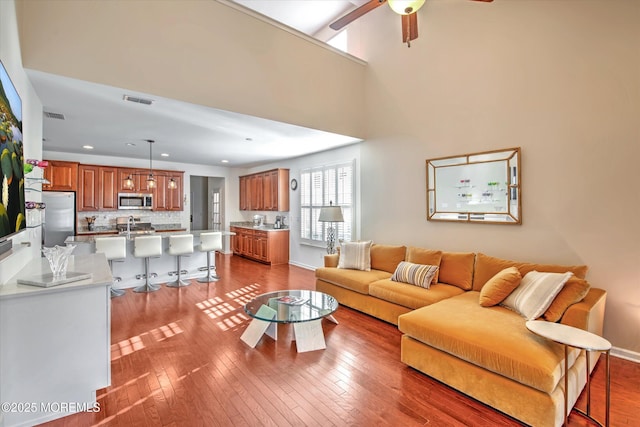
207	203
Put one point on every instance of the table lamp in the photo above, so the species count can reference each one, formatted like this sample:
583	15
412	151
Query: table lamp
331	214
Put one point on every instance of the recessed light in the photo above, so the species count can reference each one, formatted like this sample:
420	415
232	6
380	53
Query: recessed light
225	161
164	155
88	147
248	139
130	144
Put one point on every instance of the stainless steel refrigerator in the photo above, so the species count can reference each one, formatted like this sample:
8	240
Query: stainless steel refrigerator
59	217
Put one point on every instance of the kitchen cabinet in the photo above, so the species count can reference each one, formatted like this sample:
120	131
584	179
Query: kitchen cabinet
139	177
165	198
97	188
63	176
270	247
265	191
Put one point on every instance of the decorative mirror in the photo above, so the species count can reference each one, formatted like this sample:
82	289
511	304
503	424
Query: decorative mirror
479	187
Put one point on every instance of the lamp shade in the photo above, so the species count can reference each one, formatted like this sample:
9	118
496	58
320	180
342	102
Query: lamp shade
331	214
405	7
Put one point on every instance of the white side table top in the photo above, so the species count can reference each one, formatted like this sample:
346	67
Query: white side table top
569	335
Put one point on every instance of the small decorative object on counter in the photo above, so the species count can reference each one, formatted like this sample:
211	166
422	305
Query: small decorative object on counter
90	222
58	257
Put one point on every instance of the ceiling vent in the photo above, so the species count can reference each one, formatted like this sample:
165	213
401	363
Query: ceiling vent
137	100
57	116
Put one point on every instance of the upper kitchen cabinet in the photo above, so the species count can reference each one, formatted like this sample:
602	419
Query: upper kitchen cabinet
138	176
164	197
63	176
265	191
97	188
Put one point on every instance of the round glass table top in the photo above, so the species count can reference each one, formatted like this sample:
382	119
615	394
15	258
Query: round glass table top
291	306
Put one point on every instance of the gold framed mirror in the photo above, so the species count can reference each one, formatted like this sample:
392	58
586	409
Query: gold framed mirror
480	187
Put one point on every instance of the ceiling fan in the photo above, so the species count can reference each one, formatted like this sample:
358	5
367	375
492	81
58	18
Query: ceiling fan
406	8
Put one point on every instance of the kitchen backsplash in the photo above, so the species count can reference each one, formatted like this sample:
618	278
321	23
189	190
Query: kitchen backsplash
108	219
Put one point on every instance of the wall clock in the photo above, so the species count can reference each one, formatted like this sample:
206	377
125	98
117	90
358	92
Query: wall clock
294	184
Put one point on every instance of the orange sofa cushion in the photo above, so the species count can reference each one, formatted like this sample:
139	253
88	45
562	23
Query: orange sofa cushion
411	296
356	280
456	268
499	287
573	292
494	338
386	257
425	257
487	266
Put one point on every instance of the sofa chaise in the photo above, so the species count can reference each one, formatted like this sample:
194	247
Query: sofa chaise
484	351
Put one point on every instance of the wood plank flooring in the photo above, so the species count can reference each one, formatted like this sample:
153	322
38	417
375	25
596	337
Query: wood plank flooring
177	360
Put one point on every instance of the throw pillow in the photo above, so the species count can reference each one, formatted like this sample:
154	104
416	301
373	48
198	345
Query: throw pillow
414	274
425	256
535	293
573	292
355	255
499	287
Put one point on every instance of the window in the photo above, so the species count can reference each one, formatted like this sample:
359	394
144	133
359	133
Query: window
216	221
339	41
318	187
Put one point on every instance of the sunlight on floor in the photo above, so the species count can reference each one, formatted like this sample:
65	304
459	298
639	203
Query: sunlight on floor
229	314
133	344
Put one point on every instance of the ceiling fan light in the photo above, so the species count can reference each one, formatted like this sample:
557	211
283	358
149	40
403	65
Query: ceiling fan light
405	7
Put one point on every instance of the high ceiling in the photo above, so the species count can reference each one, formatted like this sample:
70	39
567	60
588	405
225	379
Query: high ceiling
98	116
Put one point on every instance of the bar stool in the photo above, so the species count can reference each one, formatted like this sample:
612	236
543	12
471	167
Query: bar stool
210	242
180	245
114	248
147	247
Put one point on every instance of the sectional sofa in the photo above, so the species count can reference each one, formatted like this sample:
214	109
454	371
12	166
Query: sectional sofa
484	351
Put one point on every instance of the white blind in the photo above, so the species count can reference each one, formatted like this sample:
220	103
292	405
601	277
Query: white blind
318	187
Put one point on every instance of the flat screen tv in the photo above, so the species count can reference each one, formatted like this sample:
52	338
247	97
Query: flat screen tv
12	206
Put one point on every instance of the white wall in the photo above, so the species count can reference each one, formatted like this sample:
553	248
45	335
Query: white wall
561	79
32	134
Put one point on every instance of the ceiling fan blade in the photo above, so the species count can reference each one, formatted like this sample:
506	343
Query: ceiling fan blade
486	1
409	27
355	14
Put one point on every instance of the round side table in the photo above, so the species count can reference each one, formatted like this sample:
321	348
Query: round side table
578	338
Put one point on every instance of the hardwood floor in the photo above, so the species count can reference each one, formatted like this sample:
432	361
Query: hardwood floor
177	360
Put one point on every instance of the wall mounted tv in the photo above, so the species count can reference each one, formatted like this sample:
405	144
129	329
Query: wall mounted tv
12	206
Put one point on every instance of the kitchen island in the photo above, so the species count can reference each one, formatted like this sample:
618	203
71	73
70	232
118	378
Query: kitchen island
131	267
55	343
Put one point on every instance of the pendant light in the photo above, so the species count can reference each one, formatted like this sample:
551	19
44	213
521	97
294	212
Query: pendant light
151	181
172	184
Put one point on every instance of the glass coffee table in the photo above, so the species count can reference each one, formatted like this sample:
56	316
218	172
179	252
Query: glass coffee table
304	309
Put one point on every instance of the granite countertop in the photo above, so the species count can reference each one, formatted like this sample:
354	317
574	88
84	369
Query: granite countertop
90	238
113	230
249	225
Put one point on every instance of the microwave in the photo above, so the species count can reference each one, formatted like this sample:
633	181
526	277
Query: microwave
135	201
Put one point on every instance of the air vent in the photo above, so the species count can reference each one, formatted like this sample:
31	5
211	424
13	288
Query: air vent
50	115
137	100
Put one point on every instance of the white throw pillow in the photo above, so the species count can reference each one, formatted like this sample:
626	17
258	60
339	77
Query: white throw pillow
355	255
535	293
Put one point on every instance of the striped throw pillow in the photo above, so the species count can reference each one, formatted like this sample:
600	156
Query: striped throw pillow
355	255
415	274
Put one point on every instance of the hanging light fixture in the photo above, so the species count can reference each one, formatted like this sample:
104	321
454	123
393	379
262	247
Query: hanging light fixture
128	183
172	184
405	7
151	181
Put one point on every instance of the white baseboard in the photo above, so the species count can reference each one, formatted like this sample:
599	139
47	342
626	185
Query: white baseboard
305	266
625	354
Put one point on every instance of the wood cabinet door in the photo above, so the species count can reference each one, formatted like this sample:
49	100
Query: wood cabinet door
261	246
175	196
88	193
244	193
107	188
63	176
270	191
255	189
